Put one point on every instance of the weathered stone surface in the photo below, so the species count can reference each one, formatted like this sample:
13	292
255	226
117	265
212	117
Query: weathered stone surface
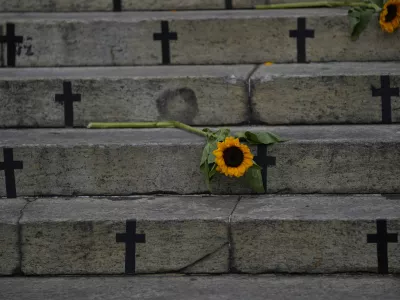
316	159
199	288
322	93
55	5
10	211
78	235
312	234
204	37
191	94
126	5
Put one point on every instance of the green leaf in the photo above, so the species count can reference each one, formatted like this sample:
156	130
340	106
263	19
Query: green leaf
222	134
254	178
377	2
359	19
256	166
265	138
212	171
211	157
206	152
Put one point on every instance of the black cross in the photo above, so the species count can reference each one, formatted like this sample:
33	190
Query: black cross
117	5
228	4
11	39
381	239
264	161
165	36
68	99
130	238
9	165
386	93
301	34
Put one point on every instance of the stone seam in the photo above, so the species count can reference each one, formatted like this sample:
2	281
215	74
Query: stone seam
230	239
18	270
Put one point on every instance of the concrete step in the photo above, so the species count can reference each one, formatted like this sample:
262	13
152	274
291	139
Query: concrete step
203	287
127	5
199	95
122	5
317	159
202	234
190	37
191	94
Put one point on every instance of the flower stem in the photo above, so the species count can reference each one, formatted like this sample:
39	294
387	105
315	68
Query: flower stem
318	4
167	124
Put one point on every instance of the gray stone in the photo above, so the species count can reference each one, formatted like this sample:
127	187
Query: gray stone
312	234
316	159
322	93
107	5
78	235
10	212
203	287
55	5
204	37
190	94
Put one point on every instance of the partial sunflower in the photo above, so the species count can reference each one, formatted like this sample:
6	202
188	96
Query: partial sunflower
232	157
390	16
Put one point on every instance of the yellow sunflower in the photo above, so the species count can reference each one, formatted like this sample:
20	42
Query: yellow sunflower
232	157
390	16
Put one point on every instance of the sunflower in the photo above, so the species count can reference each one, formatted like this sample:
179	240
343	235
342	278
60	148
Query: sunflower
390	16
232	157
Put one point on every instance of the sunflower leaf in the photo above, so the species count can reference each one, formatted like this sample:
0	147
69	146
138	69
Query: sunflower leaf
265	138
212	172
222	134
205	154
211	156
256	166
254	178
359	19
377	2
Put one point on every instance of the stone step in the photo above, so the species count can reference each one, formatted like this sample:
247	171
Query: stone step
189	37
127	5
201	234
316	159
235	287
122	5
199	95
191	94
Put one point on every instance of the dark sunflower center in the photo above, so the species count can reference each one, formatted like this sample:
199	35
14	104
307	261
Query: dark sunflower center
233	157
392	13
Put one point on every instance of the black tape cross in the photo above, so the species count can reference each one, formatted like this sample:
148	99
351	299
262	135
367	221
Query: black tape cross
386	93
117	5
381	239
228	4
11	40
9	165
68	99
165	36
301	34
264	161
130	238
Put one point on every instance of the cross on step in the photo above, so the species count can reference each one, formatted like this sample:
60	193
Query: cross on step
11	40
386	93
165	36
130	238
301	34
381	239
264	161
8	166
68	99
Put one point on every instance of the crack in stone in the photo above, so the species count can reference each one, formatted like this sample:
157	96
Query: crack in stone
249	93
230	240
182	270
18	269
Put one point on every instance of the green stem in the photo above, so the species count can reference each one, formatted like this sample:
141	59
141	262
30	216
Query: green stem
318	4
168	124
